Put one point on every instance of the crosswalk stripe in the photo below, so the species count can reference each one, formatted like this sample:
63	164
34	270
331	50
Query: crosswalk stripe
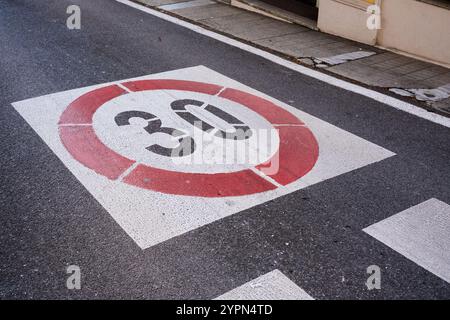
421	234
271	286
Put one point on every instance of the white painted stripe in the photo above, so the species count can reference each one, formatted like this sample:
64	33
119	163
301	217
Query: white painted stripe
123	87
271	286
278	125
184	5
266	177
75	124
342	58
390	101
420	233
128	171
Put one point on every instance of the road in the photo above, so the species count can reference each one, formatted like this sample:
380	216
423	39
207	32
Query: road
314	236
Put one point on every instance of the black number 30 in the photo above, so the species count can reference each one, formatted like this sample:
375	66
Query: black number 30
186	144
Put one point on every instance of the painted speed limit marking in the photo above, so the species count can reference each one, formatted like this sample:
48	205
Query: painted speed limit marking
159	152
296	154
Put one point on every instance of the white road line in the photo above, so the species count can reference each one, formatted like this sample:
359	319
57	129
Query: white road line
186	4
390	101
220	92
75	124
271	286
266	177
123	87
288	125
420	233
128	171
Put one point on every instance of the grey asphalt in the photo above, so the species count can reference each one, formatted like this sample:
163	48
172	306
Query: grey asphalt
49	221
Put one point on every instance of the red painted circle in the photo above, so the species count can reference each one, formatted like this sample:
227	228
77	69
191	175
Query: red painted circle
297	154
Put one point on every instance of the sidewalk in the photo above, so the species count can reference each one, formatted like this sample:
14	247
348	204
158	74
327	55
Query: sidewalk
424	84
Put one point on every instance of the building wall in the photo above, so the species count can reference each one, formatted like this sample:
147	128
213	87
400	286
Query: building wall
346	18
414	27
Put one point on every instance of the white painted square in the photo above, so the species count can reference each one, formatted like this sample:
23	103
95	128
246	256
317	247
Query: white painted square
421	234
151	217
270	286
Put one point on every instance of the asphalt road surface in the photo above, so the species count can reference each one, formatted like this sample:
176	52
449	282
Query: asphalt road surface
313	236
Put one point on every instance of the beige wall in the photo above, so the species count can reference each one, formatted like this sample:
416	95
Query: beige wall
416	27
346	18
410	26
